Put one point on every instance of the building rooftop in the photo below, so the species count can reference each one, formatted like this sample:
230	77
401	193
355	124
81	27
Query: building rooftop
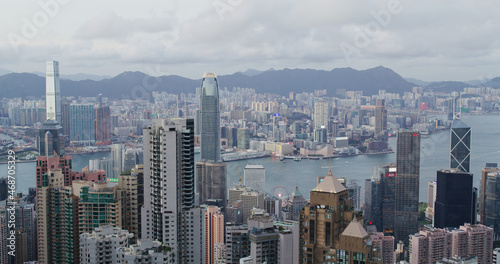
330	184
355	229
296	192
458	123
209	74
254	166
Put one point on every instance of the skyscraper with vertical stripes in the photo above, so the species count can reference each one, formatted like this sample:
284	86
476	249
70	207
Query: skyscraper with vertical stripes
210	118
407	185
169	214
53	91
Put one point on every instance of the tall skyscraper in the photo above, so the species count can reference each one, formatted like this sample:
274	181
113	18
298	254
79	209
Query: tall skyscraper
210	172
65	118
380	199
117	153
102	122
380	119
57	214
490	209
82	123
210	118
243	138
133	185
53	91
211	181
373	202
460	146
50	139
255	177
24	217
322	222
490	167
321	114
167	214
407	185
452	210
295	204
214	232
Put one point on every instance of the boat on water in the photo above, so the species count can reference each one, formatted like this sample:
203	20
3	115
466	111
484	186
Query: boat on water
297	158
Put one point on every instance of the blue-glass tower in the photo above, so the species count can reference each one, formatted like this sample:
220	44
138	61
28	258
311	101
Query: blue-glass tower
210	118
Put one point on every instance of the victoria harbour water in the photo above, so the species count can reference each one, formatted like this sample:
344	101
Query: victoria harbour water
434	156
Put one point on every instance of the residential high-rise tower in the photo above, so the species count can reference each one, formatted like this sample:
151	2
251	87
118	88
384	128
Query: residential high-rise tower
321	114
169	186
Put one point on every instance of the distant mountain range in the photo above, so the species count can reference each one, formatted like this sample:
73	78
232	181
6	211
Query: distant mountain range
137	84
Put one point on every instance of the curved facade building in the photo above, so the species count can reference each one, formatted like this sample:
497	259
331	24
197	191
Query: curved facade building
210	118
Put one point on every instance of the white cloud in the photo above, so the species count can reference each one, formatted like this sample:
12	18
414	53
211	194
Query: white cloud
428	40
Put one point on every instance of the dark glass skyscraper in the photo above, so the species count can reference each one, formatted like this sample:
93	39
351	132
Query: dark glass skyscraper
460	146
210	118
380	199
453	206
491	216
50	139
407	185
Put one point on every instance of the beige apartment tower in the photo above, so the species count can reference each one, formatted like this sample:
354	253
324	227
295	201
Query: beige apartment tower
324	219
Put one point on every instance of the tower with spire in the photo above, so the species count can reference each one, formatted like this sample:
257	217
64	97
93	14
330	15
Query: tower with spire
324	219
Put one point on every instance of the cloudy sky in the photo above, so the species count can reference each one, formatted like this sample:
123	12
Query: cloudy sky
428	40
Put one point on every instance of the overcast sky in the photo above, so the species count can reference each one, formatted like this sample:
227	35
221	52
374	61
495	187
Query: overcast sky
428	40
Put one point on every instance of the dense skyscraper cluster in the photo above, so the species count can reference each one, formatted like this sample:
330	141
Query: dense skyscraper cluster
152	203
